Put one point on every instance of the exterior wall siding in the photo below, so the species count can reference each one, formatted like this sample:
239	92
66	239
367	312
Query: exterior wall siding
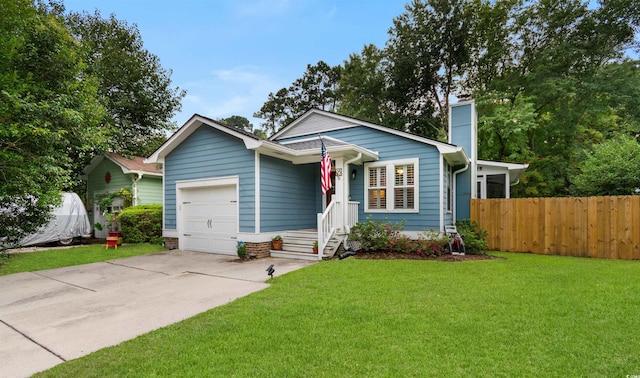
209	153
96	182
461	117
150	190
287	193
462	135
315	123
392	147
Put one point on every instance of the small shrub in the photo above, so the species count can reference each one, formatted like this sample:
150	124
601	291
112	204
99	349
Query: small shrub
141	224
380	236
241	250
475	238
375	235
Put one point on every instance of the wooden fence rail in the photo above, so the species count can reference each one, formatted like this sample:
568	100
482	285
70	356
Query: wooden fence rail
603	227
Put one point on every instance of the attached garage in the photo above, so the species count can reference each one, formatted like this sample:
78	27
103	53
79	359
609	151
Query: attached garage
208	216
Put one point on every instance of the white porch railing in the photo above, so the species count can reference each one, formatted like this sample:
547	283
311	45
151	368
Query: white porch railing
352	215
328	224
333	219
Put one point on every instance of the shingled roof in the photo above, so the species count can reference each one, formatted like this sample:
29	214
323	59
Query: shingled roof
135	164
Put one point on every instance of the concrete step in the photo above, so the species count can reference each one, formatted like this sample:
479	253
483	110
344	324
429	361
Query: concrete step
294	255
298	244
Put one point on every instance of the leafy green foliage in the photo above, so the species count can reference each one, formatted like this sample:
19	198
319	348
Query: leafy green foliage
237	121
373	236
241	250
428	53
71	86
317	88
135	89
611	169
142	223
551	78
362	87
475	238
49	113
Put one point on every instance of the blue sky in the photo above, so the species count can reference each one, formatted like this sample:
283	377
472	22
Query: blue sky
229	54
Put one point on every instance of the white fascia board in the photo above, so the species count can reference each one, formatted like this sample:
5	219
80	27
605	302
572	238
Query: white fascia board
509	166
455	156
353	122
143	173
186	130
515	170
280	151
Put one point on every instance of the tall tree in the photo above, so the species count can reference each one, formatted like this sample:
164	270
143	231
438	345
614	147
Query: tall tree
237	121
135	89
428	56
611	169
558	56
362	86
317	88
49	112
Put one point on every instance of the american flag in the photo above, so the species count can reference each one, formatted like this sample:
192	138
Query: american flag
325	169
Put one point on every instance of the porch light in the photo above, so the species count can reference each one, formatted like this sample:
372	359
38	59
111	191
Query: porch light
339	172
354	174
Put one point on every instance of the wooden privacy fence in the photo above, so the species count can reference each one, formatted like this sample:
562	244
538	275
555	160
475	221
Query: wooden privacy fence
603	227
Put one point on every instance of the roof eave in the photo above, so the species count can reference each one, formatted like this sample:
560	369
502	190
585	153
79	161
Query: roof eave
307	156
187	129
455	156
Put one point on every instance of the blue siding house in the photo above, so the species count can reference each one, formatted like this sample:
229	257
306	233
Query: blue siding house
223	185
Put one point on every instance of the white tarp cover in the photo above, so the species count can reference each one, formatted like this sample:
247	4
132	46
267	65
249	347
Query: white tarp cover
69	220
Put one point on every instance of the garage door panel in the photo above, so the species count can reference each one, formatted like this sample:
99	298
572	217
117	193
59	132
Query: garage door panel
209	219
196	243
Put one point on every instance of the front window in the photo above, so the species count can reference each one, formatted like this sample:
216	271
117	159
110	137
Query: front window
397	195
377	188
404	187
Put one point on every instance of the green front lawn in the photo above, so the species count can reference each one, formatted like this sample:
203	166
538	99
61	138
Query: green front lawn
526	315
58	258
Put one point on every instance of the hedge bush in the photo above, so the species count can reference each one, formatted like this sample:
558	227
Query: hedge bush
475	238
142	224
375	236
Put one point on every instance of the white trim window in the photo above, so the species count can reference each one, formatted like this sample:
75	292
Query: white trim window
400	194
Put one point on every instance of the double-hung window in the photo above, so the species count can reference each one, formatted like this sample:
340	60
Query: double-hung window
377	188
392	186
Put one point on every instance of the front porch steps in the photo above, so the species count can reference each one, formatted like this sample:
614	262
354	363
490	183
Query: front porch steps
298	244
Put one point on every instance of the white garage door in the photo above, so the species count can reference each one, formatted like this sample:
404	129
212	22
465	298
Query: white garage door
209	219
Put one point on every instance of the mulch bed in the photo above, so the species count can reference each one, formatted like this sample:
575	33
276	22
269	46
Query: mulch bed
405	256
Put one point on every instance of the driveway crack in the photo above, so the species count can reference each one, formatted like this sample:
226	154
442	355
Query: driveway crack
133	267
64	282
220	276
33	341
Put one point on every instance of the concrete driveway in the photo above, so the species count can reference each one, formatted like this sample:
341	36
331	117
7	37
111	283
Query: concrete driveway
51	316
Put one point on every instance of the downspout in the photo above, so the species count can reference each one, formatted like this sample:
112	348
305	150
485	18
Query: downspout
134	186
453	194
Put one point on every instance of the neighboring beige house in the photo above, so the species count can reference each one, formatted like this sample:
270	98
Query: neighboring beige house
111	173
